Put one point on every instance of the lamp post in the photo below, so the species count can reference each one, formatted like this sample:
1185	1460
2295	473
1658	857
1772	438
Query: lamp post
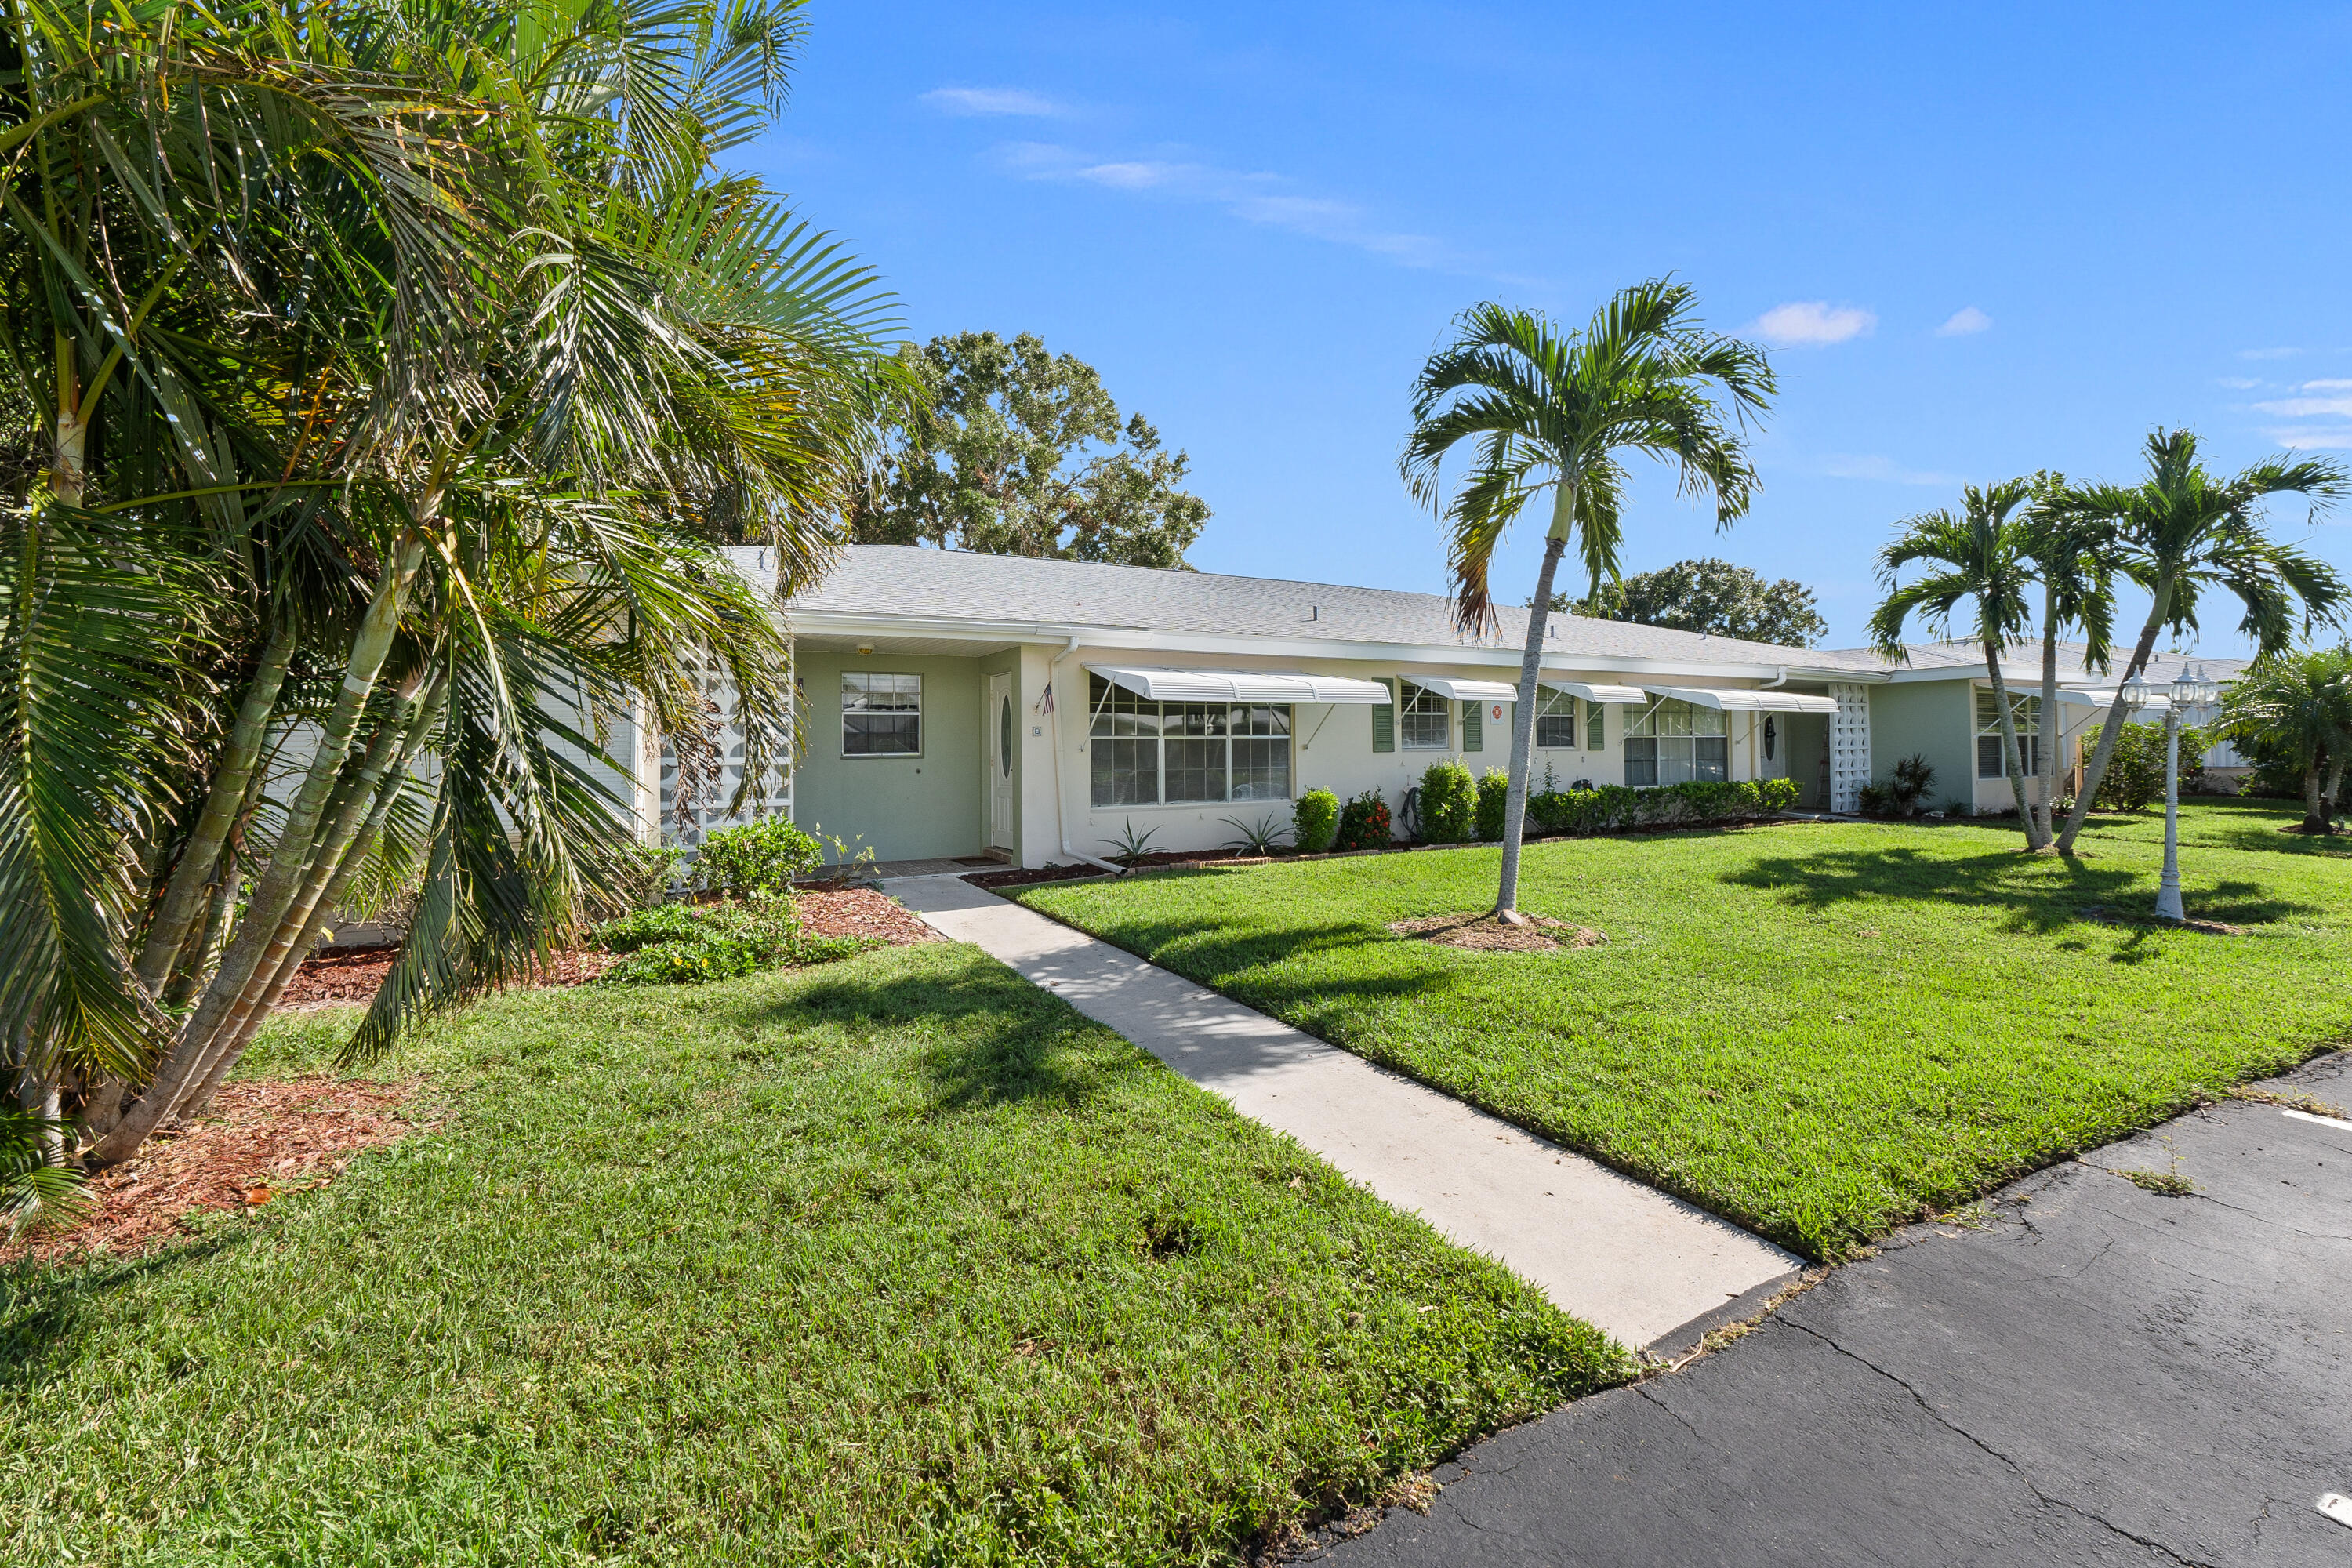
2189	690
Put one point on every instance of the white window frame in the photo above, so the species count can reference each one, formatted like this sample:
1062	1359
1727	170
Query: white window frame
1108	703
1669	732
1556	705
847	677
2027	707
1439	708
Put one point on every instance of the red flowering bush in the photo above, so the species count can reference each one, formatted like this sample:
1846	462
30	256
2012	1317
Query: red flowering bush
1363	823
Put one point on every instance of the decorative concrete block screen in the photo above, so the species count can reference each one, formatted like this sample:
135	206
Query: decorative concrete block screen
713	814
1849	746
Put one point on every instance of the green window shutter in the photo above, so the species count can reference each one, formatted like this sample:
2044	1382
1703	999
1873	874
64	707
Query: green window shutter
1593	741
1473	727
1384	722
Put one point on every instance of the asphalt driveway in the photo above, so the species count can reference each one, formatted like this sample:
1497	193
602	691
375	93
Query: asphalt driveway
2086	1373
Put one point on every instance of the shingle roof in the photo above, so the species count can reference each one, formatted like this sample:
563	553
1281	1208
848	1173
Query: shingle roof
896	579
883	580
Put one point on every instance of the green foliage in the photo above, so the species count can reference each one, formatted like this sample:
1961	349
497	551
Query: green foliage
845	1267
1364	823
1006	449
1130	847
644	874
1711	596
681	944
35	1191
1313	821
1260	838
1904	790
761	856
1821	1031
1494	804
1613	808
1449	803
2134	775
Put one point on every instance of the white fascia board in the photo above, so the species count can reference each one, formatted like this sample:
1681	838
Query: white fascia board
834	623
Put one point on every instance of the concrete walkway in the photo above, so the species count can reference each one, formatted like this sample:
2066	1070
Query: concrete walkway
1651	1270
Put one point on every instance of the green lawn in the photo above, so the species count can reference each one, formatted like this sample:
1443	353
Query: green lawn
1819	1030
895	1262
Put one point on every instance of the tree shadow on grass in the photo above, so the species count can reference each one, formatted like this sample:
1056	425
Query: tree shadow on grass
42	1304
993	1038
2039	895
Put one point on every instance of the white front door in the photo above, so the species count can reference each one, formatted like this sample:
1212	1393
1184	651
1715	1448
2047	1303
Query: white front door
999	726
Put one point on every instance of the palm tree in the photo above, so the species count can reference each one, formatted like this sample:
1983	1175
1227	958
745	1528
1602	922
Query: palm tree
2077	578
2181	532
1554	410
2298	707
404	444
1981	554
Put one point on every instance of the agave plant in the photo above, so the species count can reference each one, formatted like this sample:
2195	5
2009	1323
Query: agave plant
1130	847
1261	837
405	365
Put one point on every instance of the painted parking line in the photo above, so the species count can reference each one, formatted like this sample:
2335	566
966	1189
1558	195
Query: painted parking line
2336	1121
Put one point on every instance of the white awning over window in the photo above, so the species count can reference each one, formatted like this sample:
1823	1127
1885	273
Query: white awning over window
1591	692
1468	690
2157	702
1745	700
1154	685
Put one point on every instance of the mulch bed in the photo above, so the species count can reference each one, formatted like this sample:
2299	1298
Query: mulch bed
340	977
1153	861
260	1141
861	911
1482	932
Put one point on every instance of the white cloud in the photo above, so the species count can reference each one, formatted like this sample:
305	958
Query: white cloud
2268	353
1886	470
1253	197
2311	435
2322	386
1961	322
1812	322
2238	383
992	101
2308	407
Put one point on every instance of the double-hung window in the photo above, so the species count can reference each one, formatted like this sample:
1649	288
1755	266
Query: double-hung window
881	715
1428	722
1556	722
1673	742
2028	713
1174	753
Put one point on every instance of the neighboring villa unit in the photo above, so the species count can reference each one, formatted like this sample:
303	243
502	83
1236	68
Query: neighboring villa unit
958	706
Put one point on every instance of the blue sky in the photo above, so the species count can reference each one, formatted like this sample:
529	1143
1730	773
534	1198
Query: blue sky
1984	240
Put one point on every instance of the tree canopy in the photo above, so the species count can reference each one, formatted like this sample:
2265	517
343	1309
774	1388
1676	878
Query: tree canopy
1707	595
1006	449
389	368
1540	407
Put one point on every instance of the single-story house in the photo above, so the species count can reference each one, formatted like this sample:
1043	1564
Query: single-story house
957	705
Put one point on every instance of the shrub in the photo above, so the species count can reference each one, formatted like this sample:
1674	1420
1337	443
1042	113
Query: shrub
1493	801
1900	795
684	944
1614	807
760	856
1364	823
2134	777
1449	803
647	874
1314	819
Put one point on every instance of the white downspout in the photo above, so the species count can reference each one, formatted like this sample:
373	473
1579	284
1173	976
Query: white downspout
1053	737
